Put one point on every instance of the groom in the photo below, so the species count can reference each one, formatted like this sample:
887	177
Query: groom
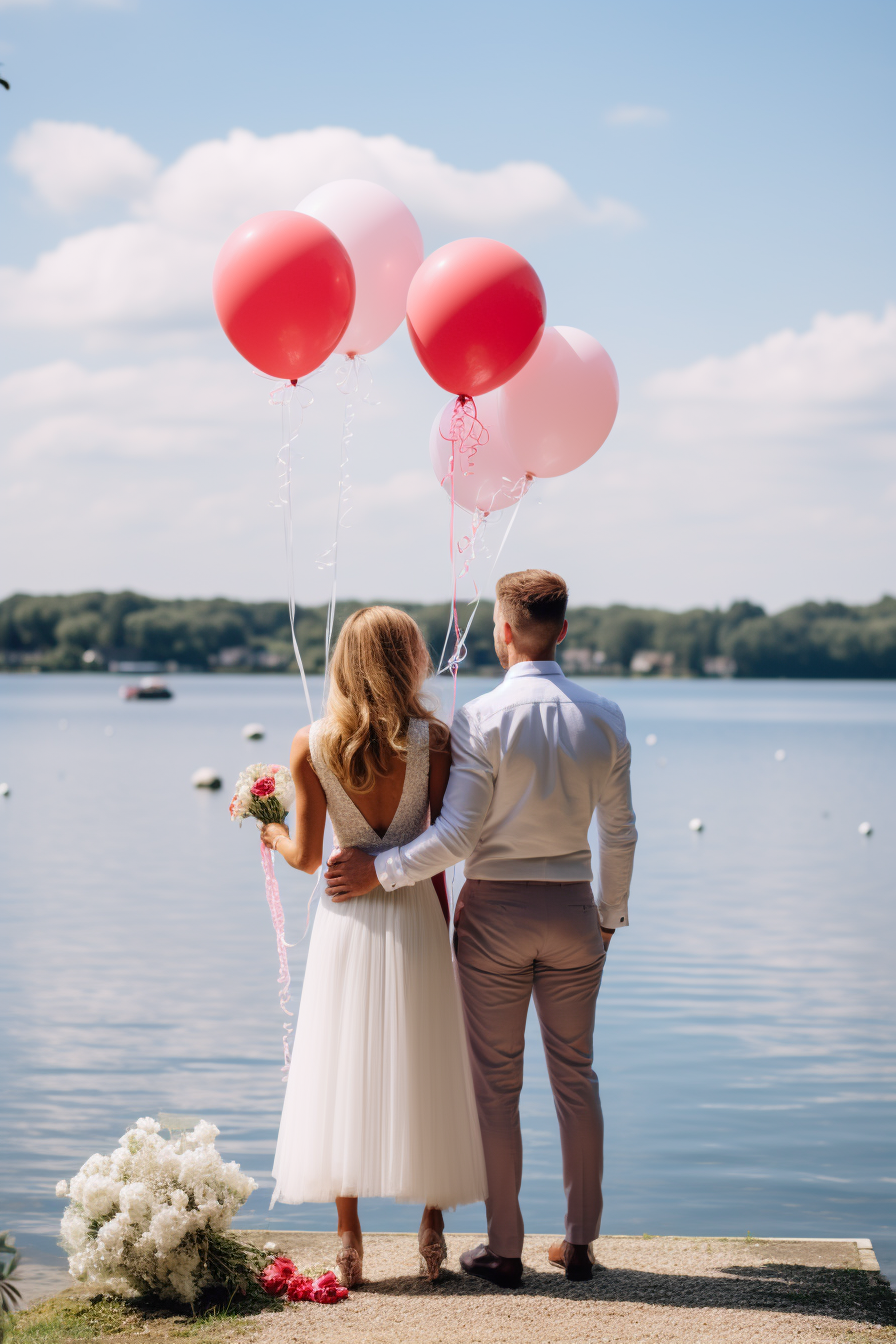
531	763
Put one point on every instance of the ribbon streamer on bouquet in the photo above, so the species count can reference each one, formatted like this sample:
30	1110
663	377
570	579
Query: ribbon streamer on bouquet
272	891
293	400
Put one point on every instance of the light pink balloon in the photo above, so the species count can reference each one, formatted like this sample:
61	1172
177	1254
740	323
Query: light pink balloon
560	407
489	479
381	237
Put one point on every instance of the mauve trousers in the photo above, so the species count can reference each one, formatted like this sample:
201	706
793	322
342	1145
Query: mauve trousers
513	940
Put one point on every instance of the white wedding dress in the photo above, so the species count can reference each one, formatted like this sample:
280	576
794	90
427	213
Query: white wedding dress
380	1098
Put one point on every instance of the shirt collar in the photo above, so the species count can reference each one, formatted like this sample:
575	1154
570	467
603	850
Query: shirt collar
533	670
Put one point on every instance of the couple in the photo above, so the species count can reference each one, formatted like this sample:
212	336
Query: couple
401	1084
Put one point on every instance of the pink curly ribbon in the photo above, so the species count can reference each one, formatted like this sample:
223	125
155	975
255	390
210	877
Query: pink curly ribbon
462	428
272	891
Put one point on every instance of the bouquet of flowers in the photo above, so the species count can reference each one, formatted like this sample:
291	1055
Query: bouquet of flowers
267	792
280	1278
152	1217
263	791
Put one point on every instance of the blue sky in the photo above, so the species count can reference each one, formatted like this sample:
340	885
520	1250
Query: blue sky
722	220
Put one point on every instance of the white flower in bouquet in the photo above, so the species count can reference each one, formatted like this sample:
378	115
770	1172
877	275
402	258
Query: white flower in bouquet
263	791
152	1216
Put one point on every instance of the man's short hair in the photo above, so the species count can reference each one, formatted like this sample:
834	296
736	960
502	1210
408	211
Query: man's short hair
533	598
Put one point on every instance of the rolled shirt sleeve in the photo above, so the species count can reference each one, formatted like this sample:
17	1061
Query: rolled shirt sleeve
453	835
618	837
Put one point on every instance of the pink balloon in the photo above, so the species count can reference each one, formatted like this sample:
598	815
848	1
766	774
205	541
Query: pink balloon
561	406
488	479
381	236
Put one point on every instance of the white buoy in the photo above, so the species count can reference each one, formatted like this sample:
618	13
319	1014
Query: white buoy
4	790
205	778
695	824
650	739
253	732
866	828
780	754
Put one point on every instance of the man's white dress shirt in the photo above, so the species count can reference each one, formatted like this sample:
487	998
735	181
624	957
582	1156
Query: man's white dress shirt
531	763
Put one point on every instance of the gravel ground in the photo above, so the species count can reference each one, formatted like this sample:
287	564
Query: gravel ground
665	1289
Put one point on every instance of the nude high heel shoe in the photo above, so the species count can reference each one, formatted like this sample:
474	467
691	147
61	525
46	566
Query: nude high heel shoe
349	1263
433	1253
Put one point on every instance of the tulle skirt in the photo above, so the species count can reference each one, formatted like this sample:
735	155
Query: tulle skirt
380	1098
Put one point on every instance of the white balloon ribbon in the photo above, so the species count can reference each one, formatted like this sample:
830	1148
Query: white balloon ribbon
293	399
354	381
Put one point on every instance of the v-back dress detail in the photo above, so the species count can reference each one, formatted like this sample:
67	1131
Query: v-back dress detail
380	1098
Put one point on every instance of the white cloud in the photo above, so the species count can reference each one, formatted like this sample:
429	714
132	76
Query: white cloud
636	114
770	473
155	268
70	163
162	475
838	377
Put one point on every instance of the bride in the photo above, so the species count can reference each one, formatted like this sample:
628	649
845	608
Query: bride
379	1099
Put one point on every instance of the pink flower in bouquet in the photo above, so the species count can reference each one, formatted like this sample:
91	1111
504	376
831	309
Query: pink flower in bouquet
264	787
299	1289
275	1277
328	1289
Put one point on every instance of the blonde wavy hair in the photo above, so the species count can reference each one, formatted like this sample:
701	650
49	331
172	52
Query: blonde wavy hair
377	672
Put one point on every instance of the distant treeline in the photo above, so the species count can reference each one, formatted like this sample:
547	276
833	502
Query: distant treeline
125	632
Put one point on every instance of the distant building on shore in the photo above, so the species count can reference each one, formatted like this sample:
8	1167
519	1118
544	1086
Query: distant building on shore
647	662
583	660
719	666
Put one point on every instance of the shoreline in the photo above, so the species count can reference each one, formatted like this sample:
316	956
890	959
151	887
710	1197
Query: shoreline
681	1290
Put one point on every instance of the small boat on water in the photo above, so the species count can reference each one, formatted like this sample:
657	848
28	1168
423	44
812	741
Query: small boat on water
150	688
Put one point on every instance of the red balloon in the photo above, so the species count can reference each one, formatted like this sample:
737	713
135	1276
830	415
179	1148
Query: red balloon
284	292
475	315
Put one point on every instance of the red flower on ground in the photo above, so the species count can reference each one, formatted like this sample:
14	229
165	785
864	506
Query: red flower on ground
264	787
328	1289
299	1289
275	1277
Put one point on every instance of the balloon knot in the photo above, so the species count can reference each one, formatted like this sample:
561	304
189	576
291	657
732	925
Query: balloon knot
294	381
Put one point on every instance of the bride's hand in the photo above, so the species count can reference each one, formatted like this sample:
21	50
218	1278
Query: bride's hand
271	830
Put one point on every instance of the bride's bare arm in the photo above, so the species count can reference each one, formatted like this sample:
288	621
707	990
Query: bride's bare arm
439	767
306	850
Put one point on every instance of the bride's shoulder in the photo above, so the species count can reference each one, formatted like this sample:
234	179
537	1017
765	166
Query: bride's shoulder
301	744
433	732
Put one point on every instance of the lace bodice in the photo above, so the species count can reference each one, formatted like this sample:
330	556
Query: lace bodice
350	827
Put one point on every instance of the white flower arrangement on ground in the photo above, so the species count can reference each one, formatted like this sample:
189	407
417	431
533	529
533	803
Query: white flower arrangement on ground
151	1218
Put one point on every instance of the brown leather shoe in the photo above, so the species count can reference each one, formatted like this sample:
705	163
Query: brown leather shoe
578	1261
502	1270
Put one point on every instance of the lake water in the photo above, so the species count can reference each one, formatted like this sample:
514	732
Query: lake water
745	1037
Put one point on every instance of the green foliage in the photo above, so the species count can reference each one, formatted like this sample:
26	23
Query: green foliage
816	639
62	1318
9	1263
